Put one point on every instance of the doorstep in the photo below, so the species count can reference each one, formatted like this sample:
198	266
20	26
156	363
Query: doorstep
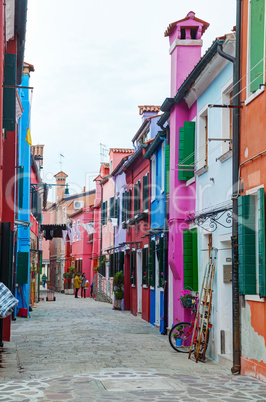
226	360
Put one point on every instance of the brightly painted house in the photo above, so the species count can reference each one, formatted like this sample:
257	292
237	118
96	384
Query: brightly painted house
251	201
212	221
159	229
185	50
141	259
118	255
24	198
83	220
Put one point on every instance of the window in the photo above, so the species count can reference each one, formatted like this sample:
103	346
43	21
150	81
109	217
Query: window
202	151
137	198
117	210
145	266
227	119
251	240
163	167
111	207
161	262
186	151
133	267
153	178
151	264
104	213
124	197
167	168
145	194
256	44
190	259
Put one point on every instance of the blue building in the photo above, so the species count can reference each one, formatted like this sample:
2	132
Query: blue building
158	153
24	196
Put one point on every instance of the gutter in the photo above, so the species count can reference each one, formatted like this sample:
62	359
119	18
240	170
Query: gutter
236	124
130	161
158	139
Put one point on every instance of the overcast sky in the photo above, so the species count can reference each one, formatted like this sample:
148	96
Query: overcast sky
95	62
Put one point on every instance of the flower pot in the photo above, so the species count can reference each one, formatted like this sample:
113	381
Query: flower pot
178	342
187	303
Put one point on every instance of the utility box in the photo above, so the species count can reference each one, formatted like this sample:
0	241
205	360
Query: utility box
227	268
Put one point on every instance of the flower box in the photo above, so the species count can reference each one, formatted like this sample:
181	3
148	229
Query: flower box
187	303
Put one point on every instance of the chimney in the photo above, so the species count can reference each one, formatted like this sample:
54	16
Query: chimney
60	178
148	111
185	47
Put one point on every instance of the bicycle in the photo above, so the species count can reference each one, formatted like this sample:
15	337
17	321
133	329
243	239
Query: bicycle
180	335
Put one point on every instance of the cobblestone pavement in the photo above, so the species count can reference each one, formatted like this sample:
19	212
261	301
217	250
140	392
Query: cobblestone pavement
82	350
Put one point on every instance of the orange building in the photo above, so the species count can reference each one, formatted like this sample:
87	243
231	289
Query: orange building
252	183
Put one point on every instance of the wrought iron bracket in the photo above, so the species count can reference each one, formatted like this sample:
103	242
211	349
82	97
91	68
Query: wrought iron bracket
213	219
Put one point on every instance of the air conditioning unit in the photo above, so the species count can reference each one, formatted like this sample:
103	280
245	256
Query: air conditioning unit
78	204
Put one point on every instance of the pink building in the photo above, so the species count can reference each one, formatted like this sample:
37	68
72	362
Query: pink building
185	50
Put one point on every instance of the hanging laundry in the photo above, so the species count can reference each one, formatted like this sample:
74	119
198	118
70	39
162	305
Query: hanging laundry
70	234
64	234
88	227
7	301
114	221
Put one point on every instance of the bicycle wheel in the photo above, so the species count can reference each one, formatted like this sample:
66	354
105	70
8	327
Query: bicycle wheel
180	336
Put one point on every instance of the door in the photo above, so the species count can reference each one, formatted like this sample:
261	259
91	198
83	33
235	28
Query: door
139	280
157	288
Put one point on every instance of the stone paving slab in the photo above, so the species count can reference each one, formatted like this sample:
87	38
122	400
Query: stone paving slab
82	350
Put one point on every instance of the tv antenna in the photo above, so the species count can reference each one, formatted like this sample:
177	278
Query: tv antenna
60	161
103	152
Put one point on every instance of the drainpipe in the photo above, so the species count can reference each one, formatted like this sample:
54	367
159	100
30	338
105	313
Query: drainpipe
236	117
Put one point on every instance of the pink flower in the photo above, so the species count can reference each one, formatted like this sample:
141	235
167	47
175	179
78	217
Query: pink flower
144	273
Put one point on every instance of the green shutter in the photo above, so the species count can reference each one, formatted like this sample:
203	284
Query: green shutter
136	203
22	267
161	262
188	259
256	47
247	245
121	261
111	265
129	200
167	168
186	151
6	253
151	264
9	94
195	284
105	212
261	242
124	206
139	192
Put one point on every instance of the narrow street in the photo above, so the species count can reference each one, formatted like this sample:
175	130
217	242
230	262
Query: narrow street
81	349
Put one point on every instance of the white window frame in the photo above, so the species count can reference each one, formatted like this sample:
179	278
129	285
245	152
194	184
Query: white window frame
202	156
153	178
226	90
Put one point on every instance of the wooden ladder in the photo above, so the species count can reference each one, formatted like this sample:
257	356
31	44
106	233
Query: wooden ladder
200	336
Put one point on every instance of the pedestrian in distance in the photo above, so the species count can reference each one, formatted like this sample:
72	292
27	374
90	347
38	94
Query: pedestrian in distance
83	284
91	289
44	280
77	283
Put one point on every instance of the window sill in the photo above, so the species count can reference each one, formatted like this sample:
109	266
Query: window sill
225	156
151	287
153	199
202	170
190	181
133	286
254	96
255	298
162	191
144	286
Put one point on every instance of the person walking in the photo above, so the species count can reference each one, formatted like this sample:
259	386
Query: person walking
91	289
44	280
83	283
77	283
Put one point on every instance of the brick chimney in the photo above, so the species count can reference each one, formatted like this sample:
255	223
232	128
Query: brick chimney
148	111
185	47
60	178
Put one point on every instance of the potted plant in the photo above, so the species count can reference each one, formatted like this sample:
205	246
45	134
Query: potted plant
118	283
186	298
179	331
68	285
